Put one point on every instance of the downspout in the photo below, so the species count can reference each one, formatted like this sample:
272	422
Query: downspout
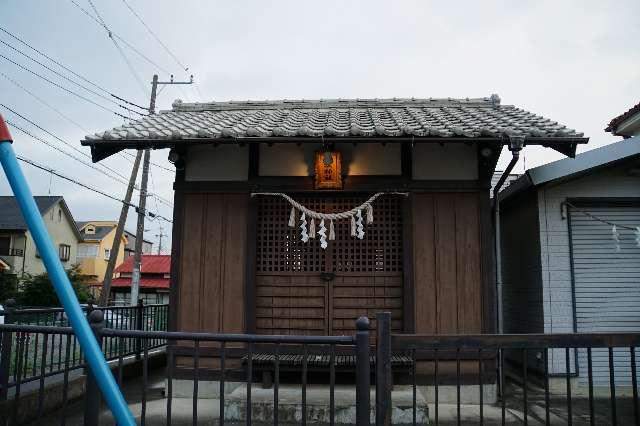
515	146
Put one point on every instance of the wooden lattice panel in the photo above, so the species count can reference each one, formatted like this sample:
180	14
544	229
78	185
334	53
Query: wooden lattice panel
279	248
291	295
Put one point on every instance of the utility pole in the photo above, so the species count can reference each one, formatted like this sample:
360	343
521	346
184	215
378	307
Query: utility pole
115	246
137	255
160	235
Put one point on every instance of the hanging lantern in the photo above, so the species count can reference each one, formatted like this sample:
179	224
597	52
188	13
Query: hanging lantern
328	168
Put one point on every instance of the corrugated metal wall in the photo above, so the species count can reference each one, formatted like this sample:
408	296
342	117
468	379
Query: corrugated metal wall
606	283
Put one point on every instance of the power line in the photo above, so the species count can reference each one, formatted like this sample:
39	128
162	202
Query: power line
114	35
155	36
123	154
120	51
65	143
43	102
86	186
65	89
20	40
108	99
91	166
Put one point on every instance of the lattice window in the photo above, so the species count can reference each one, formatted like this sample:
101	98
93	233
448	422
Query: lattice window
279	248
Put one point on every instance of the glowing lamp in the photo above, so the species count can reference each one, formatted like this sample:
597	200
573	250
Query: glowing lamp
328	167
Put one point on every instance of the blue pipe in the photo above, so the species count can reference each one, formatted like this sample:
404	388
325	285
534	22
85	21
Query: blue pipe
64	290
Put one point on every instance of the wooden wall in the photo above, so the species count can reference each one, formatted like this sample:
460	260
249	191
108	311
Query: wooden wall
447	271
213	251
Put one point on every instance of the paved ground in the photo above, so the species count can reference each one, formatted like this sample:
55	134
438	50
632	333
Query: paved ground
208	409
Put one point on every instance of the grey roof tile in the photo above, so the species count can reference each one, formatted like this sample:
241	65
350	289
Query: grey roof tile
482	117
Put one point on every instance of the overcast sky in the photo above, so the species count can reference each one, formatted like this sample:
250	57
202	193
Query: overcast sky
576	62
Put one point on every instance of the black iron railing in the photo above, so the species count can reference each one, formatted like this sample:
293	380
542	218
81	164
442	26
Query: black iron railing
456	379
517	369
46	352
230	348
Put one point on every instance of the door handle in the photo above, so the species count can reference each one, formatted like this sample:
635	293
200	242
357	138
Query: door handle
327	276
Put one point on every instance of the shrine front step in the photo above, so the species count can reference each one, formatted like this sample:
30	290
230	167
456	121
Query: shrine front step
317	406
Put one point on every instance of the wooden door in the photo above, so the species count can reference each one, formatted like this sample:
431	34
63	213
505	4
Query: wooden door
303	289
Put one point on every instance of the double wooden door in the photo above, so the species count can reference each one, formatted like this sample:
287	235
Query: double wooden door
303	289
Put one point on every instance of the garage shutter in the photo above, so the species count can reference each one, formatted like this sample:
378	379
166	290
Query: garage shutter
607	284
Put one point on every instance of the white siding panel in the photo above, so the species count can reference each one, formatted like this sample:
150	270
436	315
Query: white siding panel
607	284
554	242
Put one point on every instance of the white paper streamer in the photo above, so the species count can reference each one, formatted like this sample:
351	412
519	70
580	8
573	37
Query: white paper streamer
323	235
312	228
616	237
369	214
353	226
303	227
292	218
360	226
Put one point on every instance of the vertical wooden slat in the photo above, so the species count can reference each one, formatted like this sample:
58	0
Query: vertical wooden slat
425	301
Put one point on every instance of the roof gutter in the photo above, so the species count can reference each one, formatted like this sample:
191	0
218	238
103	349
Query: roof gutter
515	146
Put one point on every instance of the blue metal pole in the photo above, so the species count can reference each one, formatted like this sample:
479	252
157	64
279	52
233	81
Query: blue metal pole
63	288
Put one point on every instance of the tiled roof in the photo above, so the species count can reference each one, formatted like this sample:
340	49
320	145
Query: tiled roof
442	118
10	215
151	264
613	124
144	282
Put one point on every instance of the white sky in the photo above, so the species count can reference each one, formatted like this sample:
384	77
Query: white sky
576	62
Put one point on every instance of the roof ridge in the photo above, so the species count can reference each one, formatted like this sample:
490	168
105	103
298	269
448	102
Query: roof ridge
179	105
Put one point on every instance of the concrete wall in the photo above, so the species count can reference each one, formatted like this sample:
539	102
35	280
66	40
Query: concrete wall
61	231
554	242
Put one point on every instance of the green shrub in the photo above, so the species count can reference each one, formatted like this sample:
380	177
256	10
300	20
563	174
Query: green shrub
37	290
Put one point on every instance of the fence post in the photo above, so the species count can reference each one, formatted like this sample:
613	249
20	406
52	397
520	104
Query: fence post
363	376
92	396
5	357
139	322
384	375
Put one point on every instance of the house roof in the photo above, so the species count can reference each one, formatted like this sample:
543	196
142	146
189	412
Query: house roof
150	264
132	237
159	283
11	217
299	120
572	167
101	232
615	122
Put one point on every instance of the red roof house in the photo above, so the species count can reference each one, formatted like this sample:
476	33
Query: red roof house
155	276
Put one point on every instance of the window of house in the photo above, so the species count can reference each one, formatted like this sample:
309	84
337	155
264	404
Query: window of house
90	230
64	251
5	245
87	250
107	253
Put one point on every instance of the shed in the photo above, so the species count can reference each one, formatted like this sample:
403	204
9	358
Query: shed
244	260
571	252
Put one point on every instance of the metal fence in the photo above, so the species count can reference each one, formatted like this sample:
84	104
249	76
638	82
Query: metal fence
459	379
39	350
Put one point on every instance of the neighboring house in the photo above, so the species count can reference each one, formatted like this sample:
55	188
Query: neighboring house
17	247
563	270
95	245
155	279
427	256
626	124
129	249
